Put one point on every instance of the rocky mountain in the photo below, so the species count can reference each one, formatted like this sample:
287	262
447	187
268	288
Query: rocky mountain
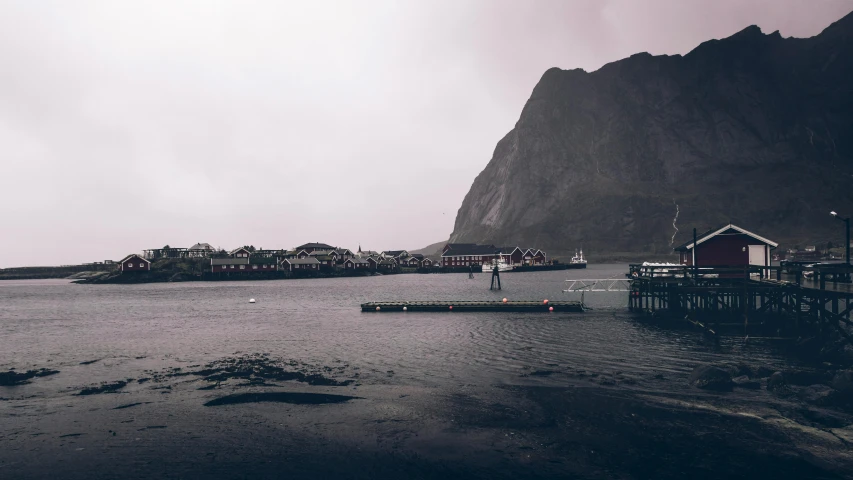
753	129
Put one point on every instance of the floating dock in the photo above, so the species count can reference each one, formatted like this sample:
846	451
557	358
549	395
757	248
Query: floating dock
468	306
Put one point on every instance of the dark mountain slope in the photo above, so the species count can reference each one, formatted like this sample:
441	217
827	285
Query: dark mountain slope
754	129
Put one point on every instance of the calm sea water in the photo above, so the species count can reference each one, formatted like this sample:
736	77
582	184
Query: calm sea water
436	391
59	325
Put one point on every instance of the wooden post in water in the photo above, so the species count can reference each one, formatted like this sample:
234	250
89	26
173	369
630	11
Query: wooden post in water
496	279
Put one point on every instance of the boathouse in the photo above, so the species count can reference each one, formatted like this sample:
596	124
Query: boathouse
229	264
241	252
729	245
134	263
467	254
310	247
300	264
356	264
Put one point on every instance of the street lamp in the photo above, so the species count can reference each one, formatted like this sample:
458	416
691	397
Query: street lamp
846	243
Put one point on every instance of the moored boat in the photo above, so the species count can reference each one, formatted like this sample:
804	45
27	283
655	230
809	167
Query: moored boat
502	266
577	261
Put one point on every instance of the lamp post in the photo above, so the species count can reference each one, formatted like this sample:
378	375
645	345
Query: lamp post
847	242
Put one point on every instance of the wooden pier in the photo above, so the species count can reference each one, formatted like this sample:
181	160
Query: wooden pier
469	306
764	295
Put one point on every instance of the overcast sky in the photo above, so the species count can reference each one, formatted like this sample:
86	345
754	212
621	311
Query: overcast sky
132	125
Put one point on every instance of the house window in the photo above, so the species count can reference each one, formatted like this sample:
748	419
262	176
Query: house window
254	267
242	267
232	267
129	264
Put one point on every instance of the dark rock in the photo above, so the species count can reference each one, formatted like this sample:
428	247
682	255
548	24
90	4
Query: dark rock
710	377
12	378
776	381
606	156
744	382
818	395
843	383
806	377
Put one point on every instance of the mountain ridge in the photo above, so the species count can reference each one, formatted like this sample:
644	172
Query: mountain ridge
734	131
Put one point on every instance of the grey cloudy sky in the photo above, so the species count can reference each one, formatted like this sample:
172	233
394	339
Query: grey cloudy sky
131	125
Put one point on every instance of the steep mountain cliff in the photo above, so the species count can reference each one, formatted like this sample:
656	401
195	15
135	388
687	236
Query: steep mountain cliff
754	129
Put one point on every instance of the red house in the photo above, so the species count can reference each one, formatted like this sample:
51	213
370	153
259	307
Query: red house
305	264
356	264
727	246
134	263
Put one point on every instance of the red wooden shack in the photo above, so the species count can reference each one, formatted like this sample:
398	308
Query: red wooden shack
729	245
134	263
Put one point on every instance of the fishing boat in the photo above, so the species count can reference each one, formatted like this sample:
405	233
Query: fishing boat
502	266
577	261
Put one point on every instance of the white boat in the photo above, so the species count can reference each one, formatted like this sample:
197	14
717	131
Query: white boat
502	266
578	261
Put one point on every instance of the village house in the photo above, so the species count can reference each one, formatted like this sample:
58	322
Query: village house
467	255
387	265
471	254
241	260
513	255
395	254
300	264
241	252
729	245
200	250
356	264
310	247
134	263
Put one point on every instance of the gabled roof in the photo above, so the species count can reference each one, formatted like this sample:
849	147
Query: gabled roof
131	256
232	252
317	246
394	253
388	261
356	260
510	250
322	252
419	256
300	261
725	230
202	246
469	249
343	251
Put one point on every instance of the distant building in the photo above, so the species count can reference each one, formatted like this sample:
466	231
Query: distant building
200	250
310	247
729	245
134	263
300	264
356	264
468	254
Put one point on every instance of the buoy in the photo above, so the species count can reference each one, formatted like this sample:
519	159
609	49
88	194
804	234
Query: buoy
550	309
377	309
251	300
546	301
405	308
451	307
504	300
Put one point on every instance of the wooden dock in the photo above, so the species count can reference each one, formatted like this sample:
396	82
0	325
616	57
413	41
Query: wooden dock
469	306
752	294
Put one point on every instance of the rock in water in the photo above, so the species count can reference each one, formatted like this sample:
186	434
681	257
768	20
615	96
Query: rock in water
776	381
818	395
710	377
605	159
843	383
